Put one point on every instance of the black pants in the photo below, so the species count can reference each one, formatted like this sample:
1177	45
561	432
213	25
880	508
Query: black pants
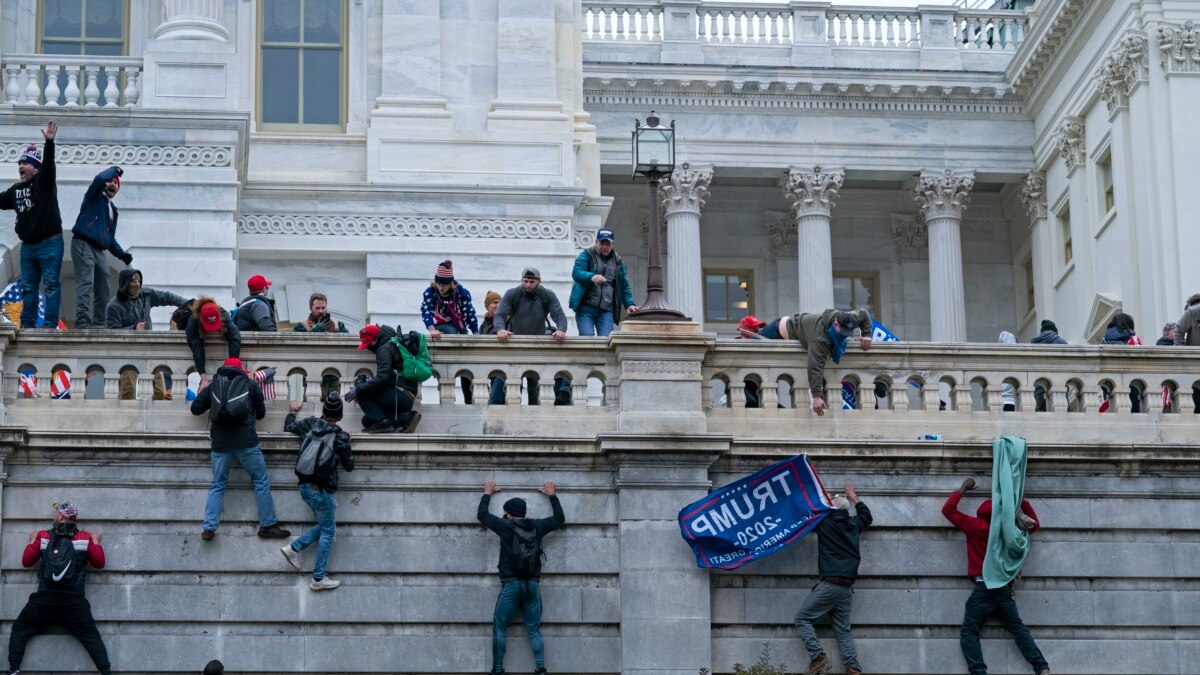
386	403
1000	604
50	608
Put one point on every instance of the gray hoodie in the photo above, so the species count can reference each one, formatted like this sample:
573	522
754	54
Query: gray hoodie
125	311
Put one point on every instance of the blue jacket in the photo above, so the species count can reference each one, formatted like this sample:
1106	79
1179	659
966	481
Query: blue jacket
582	275
93	225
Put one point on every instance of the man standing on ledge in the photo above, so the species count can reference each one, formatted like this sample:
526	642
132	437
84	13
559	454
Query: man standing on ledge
39	227
520	568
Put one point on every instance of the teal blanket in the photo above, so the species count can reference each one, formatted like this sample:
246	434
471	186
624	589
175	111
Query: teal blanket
1007	543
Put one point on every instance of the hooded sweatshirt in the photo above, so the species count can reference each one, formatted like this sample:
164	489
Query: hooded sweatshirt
235	435
977	528
125	311
837	541
504	528
1048	337
341	446
1187	331
195	334
36	202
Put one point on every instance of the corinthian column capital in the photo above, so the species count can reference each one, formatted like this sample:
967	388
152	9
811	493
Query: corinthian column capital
1033	195
945	194
813	192
685	190
191	20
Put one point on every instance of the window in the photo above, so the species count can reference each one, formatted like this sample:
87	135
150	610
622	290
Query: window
83	27
728	294
1029	297
852	290
301	78
1106	183
1064	229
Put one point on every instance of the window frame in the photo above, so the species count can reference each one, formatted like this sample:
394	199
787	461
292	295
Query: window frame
728	272
876	301
40	37
1107	183
343	69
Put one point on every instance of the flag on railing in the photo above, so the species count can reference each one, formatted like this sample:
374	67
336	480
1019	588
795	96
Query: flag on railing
12	301
849	395
755	516
265	379
29	383
60	385
880	333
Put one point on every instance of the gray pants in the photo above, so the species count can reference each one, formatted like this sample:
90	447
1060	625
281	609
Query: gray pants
91	284
834	600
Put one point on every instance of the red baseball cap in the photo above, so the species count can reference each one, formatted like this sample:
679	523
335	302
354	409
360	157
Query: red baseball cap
210	317
234	361
368	335
257	282
750	324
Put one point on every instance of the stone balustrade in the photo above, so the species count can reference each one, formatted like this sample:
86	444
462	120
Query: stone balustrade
71	81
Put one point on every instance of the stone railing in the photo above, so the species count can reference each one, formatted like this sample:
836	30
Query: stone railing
876	27
743	23
71	81
635	21
989	30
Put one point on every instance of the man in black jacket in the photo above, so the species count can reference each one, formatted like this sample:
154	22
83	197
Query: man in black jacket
39	227
236	439
130	310
208	318
518	591
386	400
837	565
317	488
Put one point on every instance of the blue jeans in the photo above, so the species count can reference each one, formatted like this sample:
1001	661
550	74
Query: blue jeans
518	594
594	321
41	263
252	461
999	603
562	391
324	507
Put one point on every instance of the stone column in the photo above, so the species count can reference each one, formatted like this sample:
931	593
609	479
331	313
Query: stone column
943	197
410	90
191	20
527	96
189	61
812	193
1033	196
683	195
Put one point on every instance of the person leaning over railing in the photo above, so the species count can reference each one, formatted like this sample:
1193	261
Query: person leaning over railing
208	319
130	309
319	320
527	310
446	308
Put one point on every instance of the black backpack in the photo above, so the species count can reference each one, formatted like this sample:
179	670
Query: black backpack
316	461
60	567
181	315
527	554
230	400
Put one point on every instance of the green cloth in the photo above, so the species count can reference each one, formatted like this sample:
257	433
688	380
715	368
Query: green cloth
1007	543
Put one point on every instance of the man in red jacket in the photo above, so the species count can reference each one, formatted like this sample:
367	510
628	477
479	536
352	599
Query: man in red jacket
65	552
997	601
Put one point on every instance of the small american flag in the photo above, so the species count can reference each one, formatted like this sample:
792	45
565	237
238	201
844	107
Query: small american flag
265	379
60	385
29	383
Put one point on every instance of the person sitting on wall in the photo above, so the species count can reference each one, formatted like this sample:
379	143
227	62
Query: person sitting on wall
130	309
207	319
319	320
257	311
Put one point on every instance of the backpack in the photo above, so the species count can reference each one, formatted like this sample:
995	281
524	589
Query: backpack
550	328
60	568
230	400
316	461
233	315
527	554
181	315
417	367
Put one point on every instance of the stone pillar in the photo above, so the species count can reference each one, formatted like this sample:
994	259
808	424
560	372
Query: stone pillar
191	20
666	604
680	44
1033	196
810	46
526	71
943	197
410	91
189	61
812	193
683	195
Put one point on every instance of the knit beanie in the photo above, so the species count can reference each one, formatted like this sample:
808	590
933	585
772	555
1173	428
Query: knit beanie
515	507
31	156
492	296
445	272
332	407
1047	324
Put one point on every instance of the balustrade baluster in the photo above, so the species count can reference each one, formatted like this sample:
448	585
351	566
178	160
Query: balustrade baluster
91	91
891	39
111	92
52	91
132	92
71	93
12	87
33	90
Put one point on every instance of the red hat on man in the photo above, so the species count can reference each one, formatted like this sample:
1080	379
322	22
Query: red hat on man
257	283
210	317
749	324
368	335
234	362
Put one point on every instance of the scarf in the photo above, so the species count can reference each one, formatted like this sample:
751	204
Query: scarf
447	310
837	341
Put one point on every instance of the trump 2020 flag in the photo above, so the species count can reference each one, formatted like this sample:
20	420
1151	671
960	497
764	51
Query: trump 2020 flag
756	516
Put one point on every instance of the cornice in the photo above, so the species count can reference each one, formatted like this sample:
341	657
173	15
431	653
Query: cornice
1045	46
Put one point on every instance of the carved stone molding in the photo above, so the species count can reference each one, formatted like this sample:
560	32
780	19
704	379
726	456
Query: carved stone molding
1060	30
1070	139
1127	65
130	155
944	195
584	238
403	226
1033	195
911	236
685	189
192	20
781	235
813	192
684	369
1178	47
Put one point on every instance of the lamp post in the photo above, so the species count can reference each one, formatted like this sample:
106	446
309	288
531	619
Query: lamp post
654	158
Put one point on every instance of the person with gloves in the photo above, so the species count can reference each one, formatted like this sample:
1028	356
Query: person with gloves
130	310
94	234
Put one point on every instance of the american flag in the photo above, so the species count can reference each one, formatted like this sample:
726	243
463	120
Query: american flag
29	383
60	385
265	379
12	301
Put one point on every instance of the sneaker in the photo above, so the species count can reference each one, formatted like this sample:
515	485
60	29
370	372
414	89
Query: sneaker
381	427
853	671
818	665
292	556
208	535
273	532
540	671
1044	671
408	422
323	584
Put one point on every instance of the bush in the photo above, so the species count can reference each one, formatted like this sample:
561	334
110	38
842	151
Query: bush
761	667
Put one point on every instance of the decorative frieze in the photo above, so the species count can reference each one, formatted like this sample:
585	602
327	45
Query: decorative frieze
1070	139
813	192
1033	195
584	237
1178	47
403	226
685	189
911	236
781	235
944	195
131	155
1127	65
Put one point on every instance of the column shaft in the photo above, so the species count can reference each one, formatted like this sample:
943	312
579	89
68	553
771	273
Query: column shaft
685	291
813	193
943	197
